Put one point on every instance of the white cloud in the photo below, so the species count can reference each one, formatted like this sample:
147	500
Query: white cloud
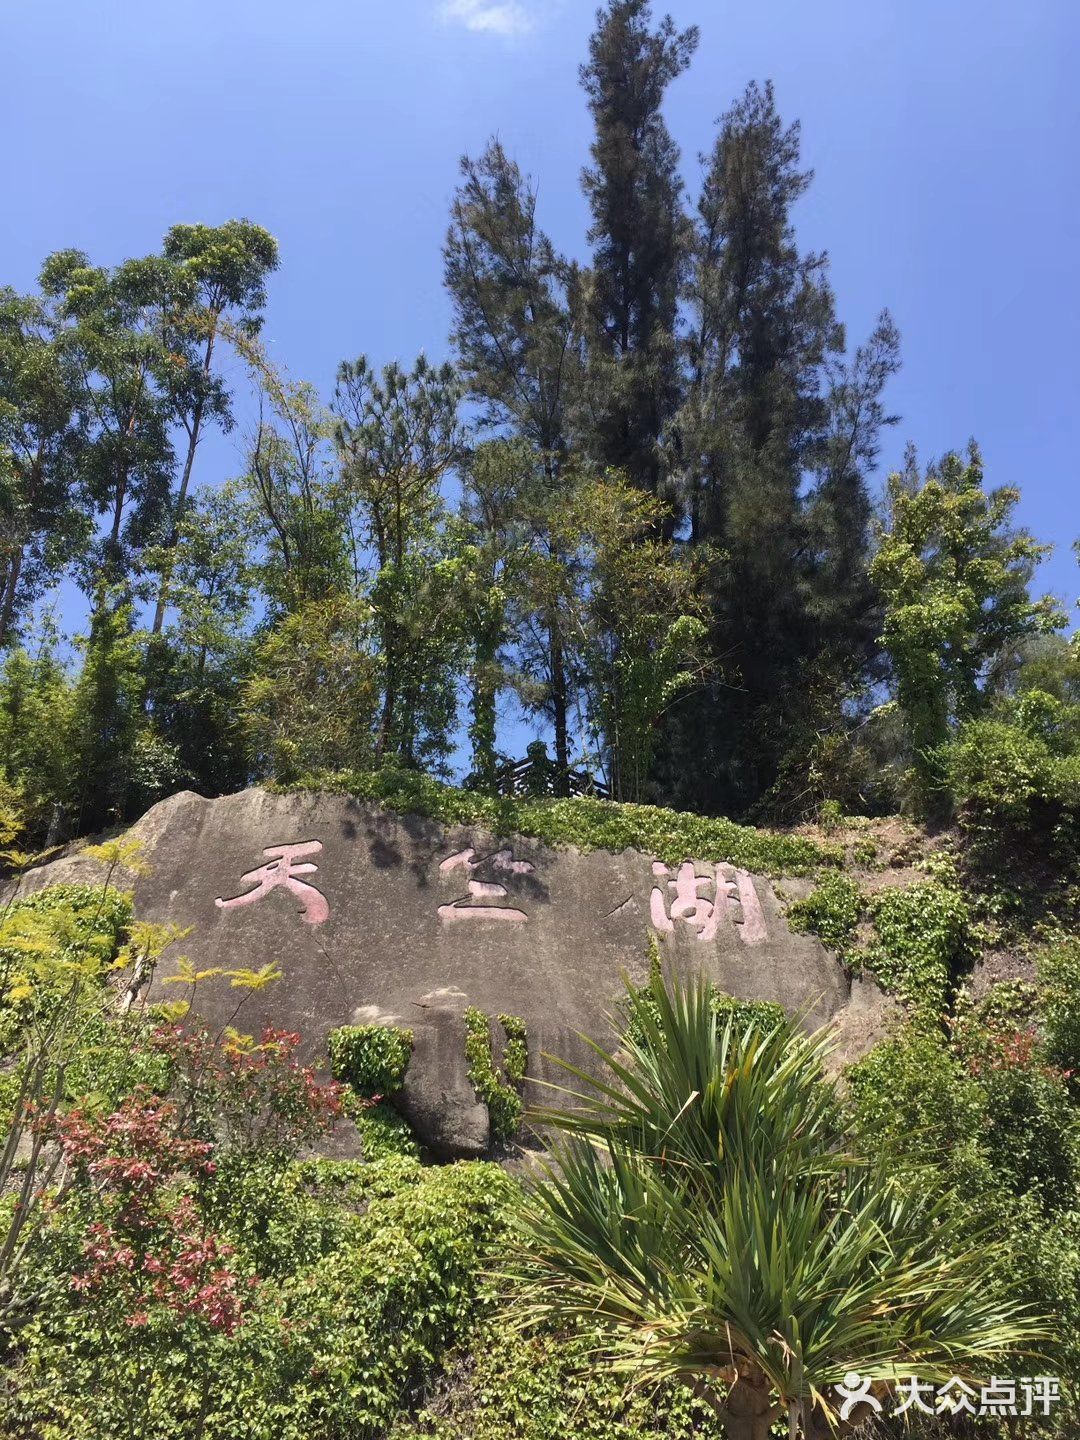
508	18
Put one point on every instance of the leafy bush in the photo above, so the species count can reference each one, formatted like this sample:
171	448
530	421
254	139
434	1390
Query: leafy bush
912	1100
371	1058
383	1131
765	1014
547	1387
922	941
367	1325
12	813
82	921
832	912
1059	972
1015	782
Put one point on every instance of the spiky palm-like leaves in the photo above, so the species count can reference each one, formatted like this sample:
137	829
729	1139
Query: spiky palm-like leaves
703	1210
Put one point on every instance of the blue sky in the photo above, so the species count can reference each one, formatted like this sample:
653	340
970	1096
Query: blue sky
943	136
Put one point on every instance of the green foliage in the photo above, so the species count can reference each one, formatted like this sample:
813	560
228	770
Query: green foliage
729	1009
371	1058
86	920
922	941
587	824
383	1132
777	440
37	717
371	1322
376	1270
312	696
397	435
912	1101
43	524
954	577
12	814
639	621
832	912
1059	973
507	1386
1015	784
515	1048
502	1096
742	1014
986	1116
750	1222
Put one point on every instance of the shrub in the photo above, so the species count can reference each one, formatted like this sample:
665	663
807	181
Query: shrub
84	921
371	1058
922	941
383	1131
368	1325
546	1387
765	1014
1015	782
832	912
1059	972
912	1100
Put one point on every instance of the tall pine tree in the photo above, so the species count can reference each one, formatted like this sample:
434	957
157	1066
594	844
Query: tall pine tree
774	441
638	234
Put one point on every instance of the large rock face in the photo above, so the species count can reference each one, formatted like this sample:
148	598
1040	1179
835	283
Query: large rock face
373	916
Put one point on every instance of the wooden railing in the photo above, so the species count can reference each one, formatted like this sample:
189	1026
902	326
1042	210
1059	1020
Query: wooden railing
533	776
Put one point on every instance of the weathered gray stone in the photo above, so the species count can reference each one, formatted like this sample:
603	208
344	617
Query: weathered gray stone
384	911
437	1098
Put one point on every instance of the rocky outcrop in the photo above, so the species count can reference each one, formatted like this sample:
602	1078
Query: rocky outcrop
369	914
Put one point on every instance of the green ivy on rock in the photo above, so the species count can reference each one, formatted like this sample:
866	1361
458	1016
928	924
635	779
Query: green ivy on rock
371	1058
502	1096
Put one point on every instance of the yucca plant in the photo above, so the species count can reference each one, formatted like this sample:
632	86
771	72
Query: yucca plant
702	1211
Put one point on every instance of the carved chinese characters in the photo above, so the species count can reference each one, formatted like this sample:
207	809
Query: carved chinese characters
685	900
479	904
281	872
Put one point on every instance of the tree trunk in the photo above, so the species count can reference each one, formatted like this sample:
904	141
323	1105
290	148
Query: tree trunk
749	1411
482	704
7	608
559	709
174	532
185	481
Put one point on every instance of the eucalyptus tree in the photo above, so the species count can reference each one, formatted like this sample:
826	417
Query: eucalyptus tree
398	436
114	339
42	520
223	270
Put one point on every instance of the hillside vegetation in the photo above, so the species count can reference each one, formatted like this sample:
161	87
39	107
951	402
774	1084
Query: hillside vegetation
163	1227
